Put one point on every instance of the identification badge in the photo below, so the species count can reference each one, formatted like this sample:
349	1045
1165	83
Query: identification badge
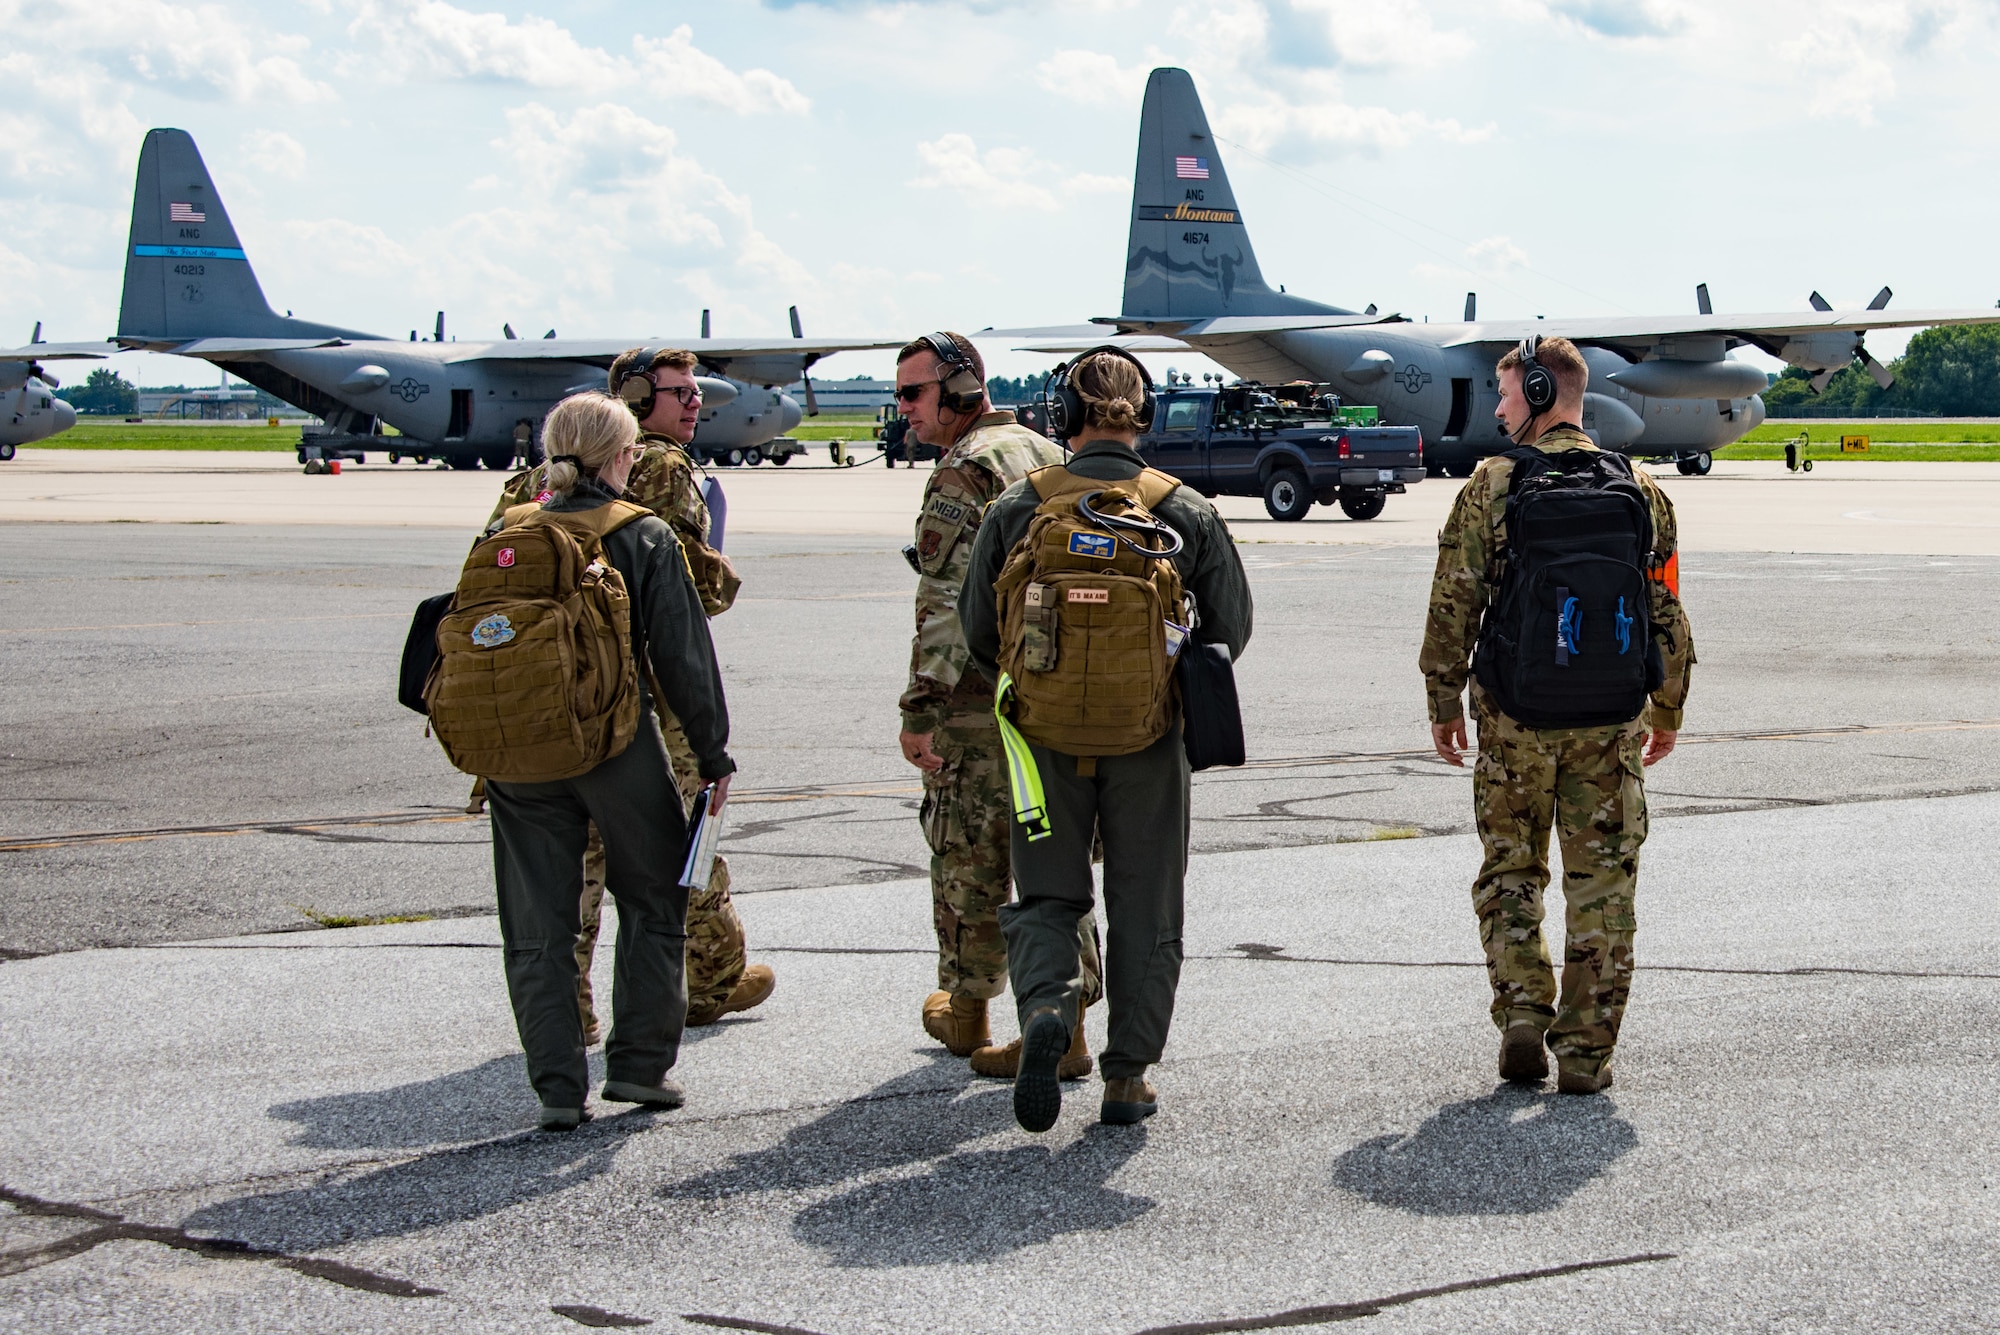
1091	544
1176	637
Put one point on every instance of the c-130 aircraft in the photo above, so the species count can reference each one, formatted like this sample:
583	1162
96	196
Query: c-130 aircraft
189	291
1662	387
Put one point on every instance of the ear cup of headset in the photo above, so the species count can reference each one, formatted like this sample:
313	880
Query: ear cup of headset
1063	392
960	390
1538	387
636	386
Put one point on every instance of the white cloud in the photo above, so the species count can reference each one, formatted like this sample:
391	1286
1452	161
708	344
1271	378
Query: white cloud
275	152
1496	254
433	40
1089	76
196	50
1274	123
1623	18
1000	177
1382	34
689	72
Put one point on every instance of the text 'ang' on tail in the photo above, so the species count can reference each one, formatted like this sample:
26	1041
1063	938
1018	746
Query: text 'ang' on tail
186	276
1189	256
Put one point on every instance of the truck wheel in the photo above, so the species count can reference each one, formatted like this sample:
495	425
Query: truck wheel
1701	463
1286	495
1362	504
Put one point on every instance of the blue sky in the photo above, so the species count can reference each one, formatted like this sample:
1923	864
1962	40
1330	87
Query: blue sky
613	169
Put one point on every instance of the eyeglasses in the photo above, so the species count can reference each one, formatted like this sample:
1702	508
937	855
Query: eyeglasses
683	394
911	393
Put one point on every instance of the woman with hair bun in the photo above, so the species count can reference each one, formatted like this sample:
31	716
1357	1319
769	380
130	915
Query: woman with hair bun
540	829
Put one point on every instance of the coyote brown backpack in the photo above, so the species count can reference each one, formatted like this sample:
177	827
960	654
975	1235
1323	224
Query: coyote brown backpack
534	678
1568	640
1084	611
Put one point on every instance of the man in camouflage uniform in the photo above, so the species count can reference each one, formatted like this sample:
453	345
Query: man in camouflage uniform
1589	782
949	731
719	980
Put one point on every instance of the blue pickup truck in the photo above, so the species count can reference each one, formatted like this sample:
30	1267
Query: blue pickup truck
1291	444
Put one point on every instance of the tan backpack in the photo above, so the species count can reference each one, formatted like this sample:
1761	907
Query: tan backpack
534	679
1084	613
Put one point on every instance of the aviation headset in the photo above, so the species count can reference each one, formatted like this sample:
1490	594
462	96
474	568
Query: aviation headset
1065	405
960	389
635	386
1538	386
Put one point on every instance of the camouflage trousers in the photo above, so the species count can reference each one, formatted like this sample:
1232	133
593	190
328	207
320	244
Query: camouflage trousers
715	947
967	818
1589	783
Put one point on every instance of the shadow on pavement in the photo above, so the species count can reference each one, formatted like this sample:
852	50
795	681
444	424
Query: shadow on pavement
1514	1151
980	1206
487	1100
916	1116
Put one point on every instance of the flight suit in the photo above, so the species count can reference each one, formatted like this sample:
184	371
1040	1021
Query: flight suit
966	810
1588	783
662	480
1137	802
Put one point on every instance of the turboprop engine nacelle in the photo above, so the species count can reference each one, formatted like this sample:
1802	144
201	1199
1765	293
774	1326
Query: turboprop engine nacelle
1671	379
1613	424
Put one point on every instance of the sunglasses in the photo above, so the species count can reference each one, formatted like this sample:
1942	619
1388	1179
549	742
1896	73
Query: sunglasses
911	393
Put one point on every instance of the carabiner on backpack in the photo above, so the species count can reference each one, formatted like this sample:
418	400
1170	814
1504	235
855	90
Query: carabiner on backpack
1118	526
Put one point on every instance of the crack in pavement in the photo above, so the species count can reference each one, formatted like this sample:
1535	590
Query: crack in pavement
107	1227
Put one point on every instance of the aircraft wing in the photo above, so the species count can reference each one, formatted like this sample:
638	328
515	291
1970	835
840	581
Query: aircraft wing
1768	331
58	352
604	351
212	348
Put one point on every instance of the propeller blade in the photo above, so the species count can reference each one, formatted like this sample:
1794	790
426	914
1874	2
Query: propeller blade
704	324
36	337
439	337
550	334
1819	303
1820	381
797	330
1371	308
1882	374
36	372
812	403
508	330
1881	299
1471	307
1701	299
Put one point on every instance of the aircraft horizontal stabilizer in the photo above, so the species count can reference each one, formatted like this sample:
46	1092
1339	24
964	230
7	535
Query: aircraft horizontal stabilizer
58	352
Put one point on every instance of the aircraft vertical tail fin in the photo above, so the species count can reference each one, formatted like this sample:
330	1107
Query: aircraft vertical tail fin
186	275
1189	253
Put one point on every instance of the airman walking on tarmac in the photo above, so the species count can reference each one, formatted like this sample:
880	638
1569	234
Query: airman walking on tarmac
948	729
1568	617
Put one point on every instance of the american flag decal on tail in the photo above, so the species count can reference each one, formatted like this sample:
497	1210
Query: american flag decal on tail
1191	169
186	213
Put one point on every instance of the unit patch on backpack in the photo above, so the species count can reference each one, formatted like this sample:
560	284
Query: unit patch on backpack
495	630
1098	545
505	559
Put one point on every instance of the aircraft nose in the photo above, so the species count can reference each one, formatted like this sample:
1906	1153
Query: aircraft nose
65	416
789	413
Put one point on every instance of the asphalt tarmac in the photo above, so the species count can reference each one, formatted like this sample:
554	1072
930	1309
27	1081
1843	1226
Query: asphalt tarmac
216	1116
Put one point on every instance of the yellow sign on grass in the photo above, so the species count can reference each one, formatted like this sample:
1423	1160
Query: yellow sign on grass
1854	444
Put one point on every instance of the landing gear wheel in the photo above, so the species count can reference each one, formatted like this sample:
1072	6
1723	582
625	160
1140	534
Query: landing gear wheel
732	458
395	457
463	462
781	459
422	459
1286	495
1362	504
1685	467
753	456
500	458
1700	465
6	453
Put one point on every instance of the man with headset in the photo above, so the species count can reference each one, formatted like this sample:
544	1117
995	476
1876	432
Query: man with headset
1557	753
949	731
658	385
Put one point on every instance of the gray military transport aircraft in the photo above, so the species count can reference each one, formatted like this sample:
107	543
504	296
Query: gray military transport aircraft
1663	387
189	290
29	408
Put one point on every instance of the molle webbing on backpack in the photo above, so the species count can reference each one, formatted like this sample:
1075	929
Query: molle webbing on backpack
535	678
1083	616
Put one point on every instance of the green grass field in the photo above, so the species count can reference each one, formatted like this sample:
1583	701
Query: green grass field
89	435
830	427
1889	440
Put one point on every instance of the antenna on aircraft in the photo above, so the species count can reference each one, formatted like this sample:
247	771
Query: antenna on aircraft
704	324
798	331
1701	299
1471	307
508	330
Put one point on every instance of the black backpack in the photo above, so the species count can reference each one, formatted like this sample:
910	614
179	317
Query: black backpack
1568	640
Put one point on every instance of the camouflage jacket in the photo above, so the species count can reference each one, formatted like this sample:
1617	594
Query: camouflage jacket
994	455
662	481
1468	575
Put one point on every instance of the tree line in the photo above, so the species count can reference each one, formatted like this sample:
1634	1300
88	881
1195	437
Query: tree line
1949	371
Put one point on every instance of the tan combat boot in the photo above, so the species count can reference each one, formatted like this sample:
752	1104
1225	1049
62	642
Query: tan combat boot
1523	1058
752	989
1128	1100
957	1022
1580	1079
1005	1062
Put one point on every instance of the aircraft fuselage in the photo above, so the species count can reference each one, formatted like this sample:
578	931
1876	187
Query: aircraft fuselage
30	411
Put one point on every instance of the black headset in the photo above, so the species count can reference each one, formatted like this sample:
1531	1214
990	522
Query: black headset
636	387
959	387
1064	405
1538	387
